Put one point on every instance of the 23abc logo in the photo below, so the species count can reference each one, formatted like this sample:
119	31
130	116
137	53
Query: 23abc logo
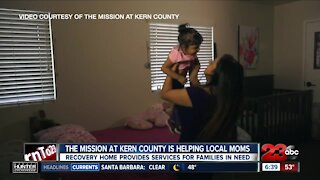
279	152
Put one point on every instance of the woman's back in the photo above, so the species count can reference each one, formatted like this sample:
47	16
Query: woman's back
194	118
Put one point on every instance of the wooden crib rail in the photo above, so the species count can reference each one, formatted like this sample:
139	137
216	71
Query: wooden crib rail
284	116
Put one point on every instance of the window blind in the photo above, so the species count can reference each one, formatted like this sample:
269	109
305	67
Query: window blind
26	59
163	37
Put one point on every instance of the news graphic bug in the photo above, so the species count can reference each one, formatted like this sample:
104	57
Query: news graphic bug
279	152
40	152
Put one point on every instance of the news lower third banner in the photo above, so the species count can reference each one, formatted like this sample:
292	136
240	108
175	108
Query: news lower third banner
159	152
147	157
148	167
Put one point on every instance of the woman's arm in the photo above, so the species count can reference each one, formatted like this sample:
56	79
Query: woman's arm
194	81
166	68
176	96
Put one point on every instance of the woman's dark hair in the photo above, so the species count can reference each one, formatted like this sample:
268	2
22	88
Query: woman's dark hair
189	36
227	87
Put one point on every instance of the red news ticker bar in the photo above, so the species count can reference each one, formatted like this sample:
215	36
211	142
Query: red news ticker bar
290	167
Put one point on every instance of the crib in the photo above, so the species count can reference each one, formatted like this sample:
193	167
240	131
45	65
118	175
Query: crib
275	115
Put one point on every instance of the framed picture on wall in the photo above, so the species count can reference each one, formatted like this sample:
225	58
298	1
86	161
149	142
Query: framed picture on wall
316	64
248	46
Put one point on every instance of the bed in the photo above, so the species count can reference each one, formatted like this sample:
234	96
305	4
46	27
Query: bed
114	135
124	134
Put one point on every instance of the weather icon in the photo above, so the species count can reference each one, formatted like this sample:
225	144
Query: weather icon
176	167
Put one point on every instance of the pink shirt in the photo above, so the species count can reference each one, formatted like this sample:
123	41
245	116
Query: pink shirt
185	61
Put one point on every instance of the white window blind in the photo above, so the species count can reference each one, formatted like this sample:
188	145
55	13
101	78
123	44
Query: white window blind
163	37
26	59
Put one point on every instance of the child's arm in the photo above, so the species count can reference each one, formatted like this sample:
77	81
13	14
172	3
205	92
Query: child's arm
194	81
166	68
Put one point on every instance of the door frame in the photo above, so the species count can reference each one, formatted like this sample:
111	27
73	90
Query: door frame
315	116
304	54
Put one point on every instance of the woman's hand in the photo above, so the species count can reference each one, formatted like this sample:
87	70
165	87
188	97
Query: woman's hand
209	71
193	73
174	67
176	96
180	78
194	81
211	67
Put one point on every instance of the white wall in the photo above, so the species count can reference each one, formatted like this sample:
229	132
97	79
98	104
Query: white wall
288	41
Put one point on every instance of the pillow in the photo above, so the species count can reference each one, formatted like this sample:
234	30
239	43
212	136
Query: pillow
156	115
161	119
76	137
140	124
139	121
65	133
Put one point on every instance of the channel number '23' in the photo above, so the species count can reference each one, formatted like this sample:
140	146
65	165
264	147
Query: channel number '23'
273	153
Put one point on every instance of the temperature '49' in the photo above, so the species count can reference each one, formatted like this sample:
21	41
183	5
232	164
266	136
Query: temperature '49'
192	166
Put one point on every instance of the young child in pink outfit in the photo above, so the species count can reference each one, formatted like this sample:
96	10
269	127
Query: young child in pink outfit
185	54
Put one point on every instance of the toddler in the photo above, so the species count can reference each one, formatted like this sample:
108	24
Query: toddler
185	54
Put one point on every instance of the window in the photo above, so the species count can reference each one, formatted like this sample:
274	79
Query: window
26	59
163	37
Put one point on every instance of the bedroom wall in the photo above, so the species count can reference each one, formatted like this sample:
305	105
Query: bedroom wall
99	64
288	41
